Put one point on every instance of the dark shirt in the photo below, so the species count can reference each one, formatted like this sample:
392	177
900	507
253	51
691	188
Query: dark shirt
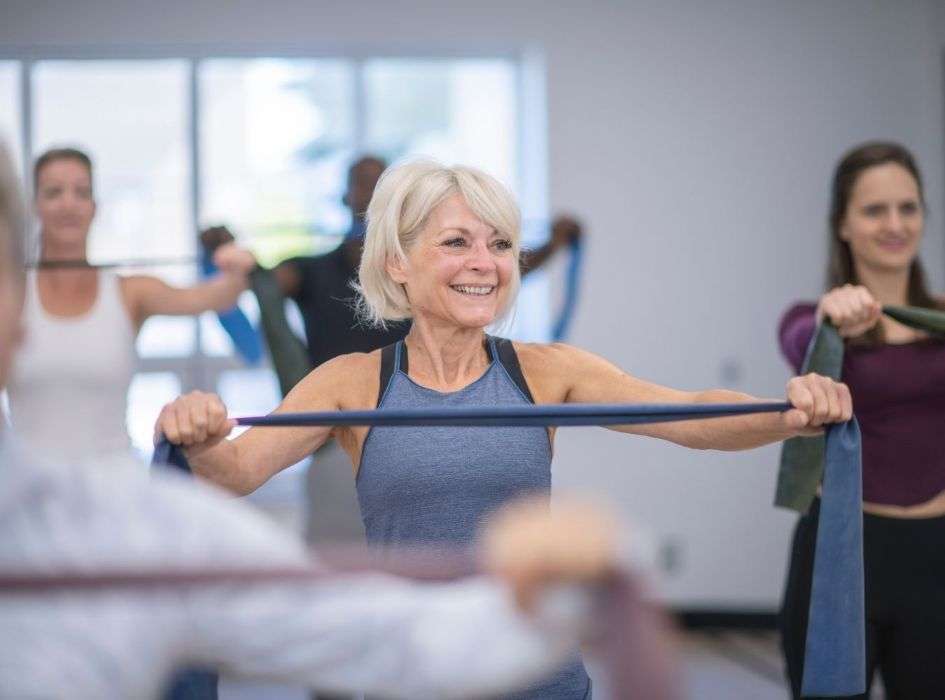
899	400
327	303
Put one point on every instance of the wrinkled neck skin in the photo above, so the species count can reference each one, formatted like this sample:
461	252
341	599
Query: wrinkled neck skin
888	286
445	356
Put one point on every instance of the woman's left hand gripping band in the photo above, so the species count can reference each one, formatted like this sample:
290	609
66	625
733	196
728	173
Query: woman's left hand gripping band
817	401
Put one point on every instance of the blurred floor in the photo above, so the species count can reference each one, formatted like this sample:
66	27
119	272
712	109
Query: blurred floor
717	666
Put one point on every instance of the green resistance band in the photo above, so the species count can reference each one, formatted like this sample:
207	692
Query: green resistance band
289	358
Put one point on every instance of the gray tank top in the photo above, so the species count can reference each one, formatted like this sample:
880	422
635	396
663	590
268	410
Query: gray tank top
435	485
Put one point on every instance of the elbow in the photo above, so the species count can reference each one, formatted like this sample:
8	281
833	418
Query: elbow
701	443
245	481
242	487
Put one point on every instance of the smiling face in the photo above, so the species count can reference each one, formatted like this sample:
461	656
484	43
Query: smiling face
64	202
459	270
884	219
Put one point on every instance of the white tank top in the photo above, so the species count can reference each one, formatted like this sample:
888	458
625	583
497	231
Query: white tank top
69	390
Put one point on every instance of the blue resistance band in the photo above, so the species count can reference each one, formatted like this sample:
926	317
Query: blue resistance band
835	658
499	416
245	338
572	287
835	649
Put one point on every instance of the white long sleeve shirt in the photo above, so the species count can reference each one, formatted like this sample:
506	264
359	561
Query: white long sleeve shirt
376	634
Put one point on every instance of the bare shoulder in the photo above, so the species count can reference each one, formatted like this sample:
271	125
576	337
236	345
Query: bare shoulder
544	354
552	357
346	382
135	292
353	364
548	368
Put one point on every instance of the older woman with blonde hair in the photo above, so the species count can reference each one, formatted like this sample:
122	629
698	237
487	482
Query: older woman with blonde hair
442	249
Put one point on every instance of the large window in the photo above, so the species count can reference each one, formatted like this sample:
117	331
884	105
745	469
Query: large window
262	145
131	116
276	137
454	111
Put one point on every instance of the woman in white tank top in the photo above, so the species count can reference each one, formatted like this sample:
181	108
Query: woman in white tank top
68	393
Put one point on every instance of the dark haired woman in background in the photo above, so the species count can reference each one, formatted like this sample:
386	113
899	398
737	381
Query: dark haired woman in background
897	378
68	392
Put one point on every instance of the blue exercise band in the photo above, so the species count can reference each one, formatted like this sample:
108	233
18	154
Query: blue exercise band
572	287
835	649
245	338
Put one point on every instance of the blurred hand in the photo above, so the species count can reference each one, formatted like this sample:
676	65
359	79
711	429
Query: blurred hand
817	401
213	237
565	229
530	546
232	259
853	310
195	420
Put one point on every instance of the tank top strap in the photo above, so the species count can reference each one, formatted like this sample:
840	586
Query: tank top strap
500	351
392	359
503	352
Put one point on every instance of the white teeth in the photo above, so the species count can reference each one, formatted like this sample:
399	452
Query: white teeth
468	289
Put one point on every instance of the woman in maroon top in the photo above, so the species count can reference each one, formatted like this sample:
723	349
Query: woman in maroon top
897	378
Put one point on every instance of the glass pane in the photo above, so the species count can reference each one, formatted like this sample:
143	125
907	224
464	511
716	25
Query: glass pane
248	392
214	340
276	137
131	117
166	336
457	111
11	111
146	397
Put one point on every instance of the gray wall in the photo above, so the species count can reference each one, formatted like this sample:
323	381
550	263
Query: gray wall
697	141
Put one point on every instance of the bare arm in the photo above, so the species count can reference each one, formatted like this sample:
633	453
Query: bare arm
199	422
564	229
572	375
149	296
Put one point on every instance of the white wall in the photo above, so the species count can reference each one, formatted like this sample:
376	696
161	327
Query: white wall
697	140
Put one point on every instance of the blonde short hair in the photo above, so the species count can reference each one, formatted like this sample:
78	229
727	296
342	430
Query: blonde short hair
403	200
